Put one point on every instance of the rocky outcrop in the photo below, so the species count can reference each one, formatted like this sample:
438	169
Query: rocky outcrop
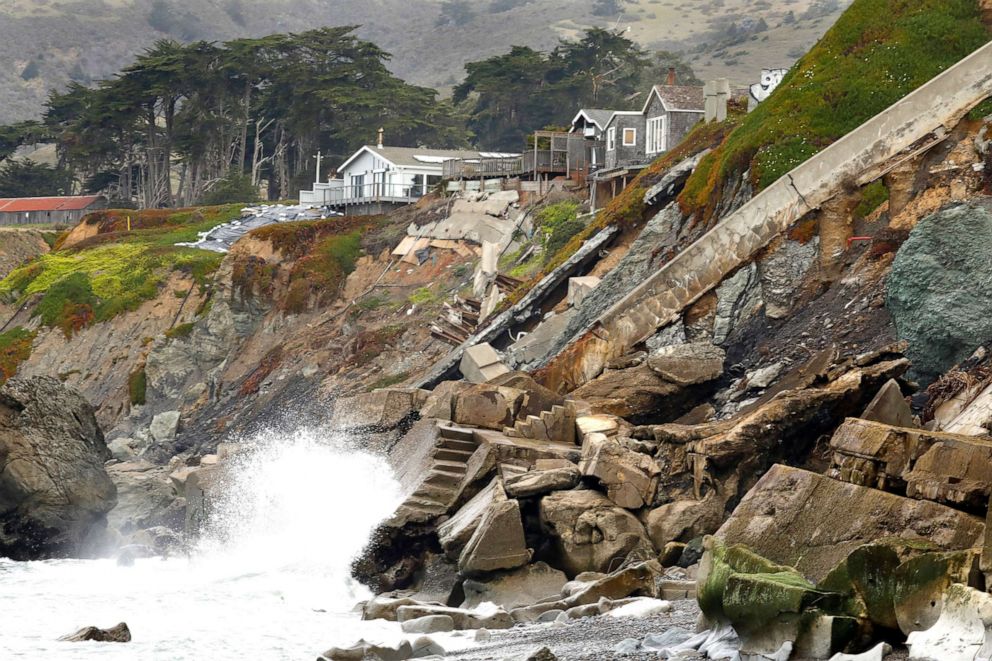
146	498
940	288
116	634
54	490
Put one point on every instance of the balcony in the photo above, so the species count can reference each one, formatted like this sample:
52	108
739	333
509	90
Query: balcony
335	193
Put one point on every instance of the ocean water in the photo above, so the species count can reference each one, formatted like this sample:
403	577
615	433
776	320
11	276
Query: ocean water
270	579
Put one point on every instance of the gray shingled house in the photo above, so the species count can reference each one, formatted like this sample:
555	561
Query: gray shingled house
634	139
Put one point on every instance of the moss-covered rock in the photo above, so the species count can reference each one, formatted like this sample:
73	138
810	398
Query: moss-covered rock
940	288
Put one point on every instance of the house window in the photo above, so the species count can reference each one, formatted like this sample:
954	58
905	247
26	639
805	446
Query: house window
611	139
629	137
657	135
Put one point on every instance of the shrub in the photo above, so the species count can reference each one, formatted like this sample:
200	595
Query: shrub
179	330
137	386
15	348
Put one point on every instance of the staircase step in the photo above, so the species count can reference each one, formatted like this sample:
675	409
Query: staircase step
425	504
439	493
443	478
456	433
456	444
451	454
457	467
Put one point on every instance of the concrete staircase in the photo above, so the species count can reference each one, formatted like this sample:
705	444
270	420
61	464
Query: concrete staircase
909	127
558	424
443	481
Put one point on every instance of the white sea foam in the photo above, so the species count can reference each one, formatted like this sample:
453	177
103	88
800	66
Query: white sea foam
270	579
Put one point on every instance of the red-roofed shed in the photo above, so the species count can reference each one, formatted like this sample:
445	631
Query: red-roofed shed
37	210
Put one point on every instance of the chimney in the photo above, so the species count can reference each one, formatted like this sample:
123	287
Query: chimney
381	131
671	76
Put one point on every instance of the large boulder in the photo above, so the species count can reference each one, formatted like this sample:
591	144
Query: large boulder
54	490
590	532
488	406
802	519
940	288
688	364
146	498
684	520
520	587
630	391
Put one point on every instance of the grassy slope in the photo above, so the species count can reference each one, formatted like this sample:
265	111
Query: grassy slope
116	270
876	53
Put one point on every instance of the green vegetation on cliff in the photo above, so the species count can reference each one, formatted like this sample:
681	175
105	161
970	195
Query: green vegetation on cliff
877	52
15	348
116	269
325	252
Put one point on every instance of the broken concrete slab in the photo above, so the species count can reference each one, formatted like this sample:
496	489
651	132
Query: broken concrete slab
482	363
630	478
802	519
539	482
889	407
688	364
946	468
963	632
380	409
525	309
525	451
456	532
535	344
607	425
579	287
497	543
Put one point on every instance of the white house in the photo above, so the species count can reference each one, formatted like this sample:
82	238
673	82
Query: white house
376	178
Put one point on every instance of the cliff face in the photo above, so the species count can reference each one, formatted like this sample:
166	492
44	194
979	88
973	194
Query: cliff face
294	313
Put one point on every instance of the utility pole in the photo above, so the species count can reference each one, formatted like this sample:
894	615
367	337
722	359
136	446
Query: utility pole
317	176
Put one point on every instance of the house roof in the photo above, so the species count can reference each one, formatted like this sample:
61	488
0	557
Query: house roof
413	156
25	204
679	97
597	116
620	113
